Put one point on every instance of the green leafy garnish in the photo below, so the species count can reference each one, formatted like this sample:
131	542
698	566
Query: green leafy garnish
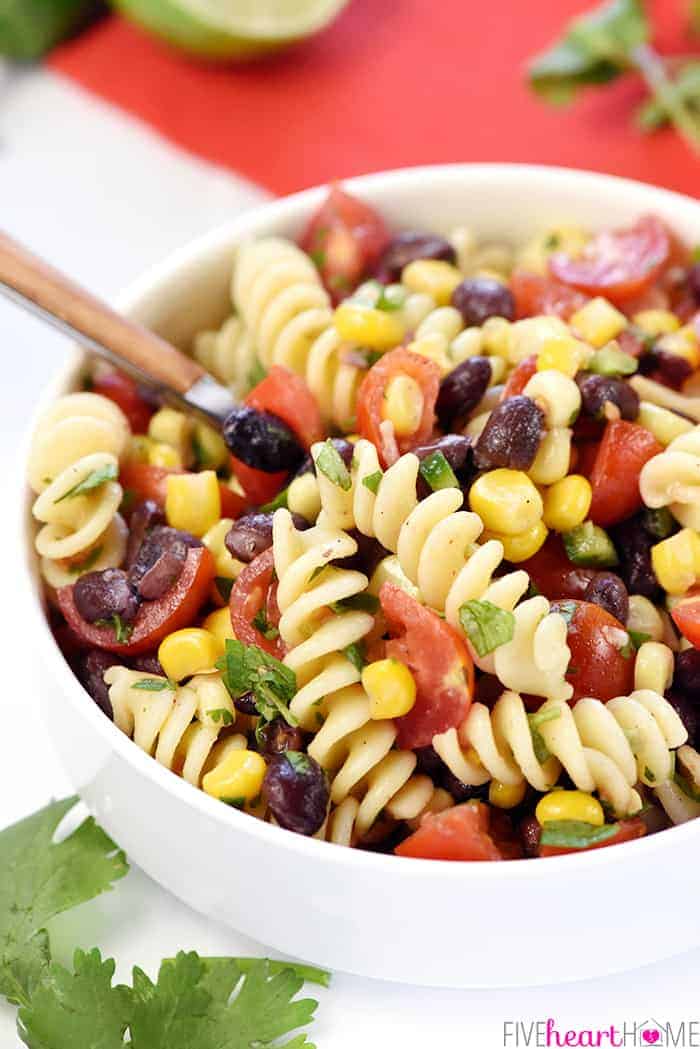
437	472
391	298
261	623
611	360
355	653
122	630
155	684
486	625
638	637
331	465
659	523
299	761
221	714
256	374
363	602
41	879
224	586
372	481
649	775
590	545
576	834
95	479
279	501
609	41
79	568
246	668
542	752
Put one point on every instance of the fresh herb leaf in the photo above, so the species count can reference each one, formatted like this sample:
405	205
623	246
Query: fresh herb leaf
247	668
224	586
155	684
261	623
542	751
122	630
318	257
95	479
79	568
541	717
649	775
575	834
331	465
235	803
317	572
391	298
128	500
221	714
299	761
638	638
486	625
437	472
659	523
279	501
355	653
256	374
655	113
372	481
363	602
41	879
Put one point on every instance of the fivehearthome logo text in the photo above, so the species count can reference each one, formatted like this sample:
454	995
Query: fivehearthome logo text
628	1034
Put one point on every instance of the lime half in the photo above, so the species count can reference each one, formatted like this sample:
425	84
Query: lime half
231	28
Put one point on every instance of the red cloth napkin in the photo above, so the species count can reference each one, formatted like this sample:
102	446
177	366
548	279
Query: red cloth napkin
391	83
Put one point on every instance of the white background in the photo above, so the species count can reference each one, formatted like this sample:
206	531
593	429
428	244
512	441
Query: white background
102	197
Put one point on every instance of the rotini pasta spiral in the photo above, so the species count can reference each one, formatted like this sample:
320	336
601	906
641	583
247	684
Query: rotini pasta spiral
229	354
672	479
175	725
560	399
603	747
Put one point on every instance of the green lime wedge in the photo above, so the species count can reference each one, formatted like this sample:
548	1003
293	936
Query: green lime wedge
231	28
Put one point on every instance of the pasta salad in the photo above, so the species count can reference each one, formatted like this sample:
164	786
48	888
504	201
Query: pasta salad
434	590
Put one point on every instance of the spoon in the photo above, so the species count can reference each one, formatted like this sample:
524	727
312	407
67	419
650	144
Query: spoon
48	294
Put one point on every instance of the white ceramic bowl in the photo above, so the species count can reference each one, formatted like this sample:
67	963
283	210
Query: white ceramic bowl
417	921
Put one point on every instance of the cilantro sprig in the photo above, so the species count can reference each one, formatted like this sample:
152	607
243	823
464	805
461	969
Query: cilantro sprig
95	479
247	668
609	41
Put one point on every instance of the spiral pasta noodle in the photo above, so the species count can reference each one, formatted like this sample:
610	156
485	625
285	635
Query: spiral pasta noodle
560	399
174	724
603	747
229	354
672	479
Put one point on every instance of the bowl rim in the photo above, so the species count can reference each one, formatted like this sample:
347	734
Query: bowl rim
128	300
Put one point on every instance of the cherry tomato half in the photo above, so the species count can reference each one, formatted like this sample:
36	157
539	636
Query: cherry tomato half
345	237
439	661
535	295
686	616
371	398
253	592
465	832
554	575
624	450
627	830
177	608
618	264
602	663
124	391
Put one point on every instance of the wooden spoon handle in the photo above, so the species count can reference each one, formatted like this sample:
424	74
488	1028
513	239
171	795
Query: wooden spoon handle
53	294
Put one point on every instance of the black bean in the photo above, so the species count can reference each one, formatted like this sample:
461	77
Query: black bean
261	440
429	762
251	535
245	704
688	710
694	281
511	436
462	791
145	515
478	298
607	590
164	572
462	389
91	670
278	737
101	595
296	790
597	390
148	665
407	247
687	672
633	545
158	541
671	368
530	832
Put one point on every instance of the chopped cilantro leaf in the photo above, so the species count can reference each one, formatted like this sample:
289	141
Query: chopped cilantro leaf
355	653
486	625
122	630
637	637
358	602
80	567
261	623
299	761
256	374
95	479
575	834
224	586
247	668
221	714
154	684
330	463
372	481
280	500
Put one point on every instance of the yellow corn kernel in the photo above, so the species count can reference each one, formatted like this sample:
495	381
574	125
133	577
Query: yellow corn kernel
433	345
517	548
303	496
390	571
187	652
237	779
676	561
664	424
498	370
161	454
566	503
506	795
495	336
193	501
138	448
226	565
390	687
682	343
653	667
526	337
562	354
656	322
534	257
598	322
432	277
506	501
377	329
403	405
219	626
209	446
467	344
569	805
174	428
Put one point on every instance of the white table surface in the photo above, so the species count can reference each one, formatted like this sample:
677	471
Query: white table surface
103	197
